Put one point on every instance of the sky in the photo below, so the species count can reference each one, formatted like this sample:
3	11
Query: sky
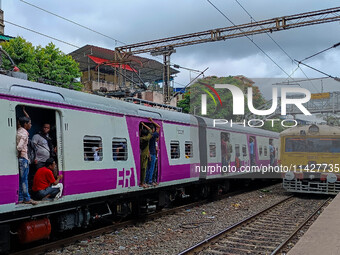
137	21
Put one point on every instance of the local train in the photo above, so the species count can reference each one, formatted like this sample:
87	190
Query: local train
110	186
312	154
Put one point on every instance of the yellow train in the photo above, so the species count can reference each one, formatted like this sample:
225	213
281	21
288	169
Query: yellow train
310	159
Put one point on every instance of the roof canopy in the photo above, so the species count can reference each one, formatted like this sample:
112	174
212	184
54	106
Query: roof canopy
103	61
90	56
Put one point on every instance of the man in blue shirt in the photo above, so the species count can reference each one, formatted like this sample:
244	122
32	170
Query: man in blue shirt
252	152
153	153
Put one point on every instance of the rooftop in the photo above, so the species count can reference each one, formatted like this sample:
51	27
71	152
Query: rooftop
148	69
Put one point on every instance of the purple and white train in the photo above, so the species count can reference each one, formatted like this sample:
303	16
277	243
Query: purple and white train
93	189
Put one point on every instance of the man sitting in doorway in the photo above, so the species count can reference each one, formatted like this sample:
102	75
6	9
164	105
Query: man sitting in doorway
44	179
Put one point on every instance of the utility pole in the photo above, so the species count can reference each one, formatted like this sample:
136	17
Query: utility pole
166	52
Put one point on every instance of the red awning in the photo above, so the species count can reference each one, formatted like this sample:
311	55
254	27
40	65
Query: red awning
103	61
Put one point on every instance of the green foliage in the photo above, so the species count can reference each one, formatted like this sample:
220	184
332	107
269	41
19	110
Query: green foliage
185	103
46	63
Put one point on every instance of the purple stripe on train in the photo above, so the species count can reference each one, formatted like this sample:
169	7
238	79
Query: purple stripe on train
77	182
9	188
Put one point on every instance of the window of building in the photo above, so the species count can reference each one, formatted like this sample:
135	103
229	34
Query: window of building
174	148
93	150
188	150
212	150
119	149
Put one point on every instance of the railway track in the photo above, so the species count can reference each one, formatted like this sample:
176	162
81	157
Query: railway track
266	232
53	245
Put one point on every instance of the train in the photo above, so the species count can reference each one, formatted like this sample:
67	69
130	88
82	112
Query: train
188	145
311	153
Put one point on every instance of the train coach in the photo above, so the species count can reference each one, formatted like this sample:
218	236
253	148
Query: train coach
311	153
188	146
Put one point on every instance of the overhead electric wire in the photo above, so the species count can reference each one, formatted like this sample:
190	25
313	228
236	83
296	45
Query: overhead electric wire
334	46
278	45
39	33
250	39
336	78
300	62
75	23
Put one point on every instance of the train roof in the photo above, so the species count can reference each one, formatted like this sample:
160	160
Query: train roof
39	91
24	88
311	130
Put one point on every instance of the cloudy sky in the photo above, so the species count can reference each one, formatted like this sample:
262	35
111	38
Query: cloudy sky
137	21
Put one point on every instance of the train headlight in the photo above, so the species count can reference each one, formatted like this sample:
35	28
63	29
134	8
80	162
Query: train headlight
331	178
289	176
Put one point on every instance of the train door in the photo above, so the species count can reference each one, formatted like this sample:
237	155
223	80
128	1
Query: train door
46	143
202	145
150	160
252	150
226	149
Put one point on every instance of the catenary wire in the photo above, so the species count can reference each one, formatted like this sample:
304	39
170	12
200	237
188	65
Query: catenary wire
39	33
78	24
278	45
73	22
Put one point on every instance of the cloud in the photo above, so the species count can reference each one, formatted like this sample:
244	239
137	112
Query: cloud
137	21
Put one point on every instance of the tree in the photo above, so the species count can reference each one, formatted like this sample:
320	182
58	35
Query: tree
47	64
185	103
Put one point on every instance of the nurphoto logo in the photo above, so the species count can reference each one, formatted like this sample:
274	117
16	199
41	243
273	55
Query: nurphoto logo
239	104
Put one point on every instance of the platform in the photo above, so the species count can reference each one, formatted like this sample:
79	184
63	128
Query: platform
323	237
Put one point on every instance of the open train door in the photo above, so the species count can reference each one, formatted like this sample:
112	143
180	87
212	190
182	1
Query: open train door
59	140
202	141
252	150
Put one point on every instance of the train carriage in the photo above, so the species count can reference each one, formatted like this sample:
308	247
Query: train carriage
110	186
312	155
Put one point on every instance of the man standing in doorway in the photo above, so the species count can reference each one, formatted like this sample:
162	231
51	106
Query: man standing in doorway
271	152
22	142
153	153
252	151
44	147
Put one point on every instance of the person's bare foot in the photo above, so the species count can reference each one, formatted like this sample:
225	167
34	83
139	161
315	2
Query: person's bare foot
31	202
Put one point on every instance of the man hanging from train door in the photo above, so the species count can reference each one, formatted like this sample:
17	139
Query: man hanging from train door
22	148
271	152
153	153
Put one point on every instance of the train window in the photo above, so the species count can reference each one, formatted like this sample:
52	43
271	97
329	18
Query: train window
212	150
265	151
260	150
174	148
237	150
244	150
119	149
93	148
325	144
188	150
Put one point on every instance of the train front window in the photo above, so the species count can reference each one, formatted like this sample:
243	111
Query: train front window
328	145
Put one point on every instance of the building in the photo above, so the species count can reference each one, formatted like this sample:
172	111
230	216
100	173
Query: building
134	77
3	37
